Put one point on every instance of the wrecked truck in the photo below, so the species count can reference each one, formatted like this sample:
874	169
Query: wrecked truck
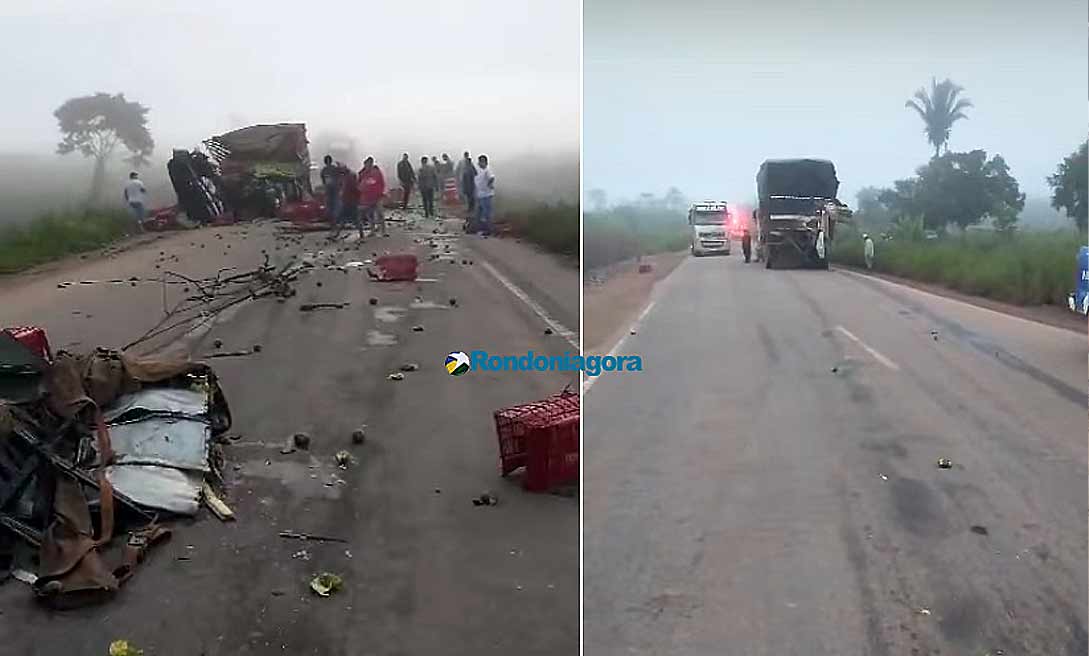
262	168
797	212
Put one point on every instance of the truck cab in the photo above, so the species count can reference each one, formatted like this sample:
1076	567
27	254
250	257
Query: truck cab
708	228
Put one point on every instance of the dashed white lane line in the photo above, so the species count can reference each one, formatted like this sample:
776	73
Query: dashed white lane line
589	380
872	351
557	327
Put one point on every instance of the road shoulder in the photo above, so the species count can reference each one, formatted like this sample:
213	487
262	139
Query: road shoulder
1048	315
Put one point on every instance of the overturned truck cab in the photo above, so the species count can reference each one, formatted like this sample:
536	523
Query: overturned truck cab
797	212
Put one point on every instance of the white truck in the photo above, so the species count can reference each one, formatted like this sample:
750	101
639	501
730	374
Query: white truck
709	228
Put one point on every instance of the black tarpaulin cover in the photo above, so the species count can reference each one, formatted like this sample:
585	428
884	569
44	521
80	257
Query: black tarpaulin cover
797	177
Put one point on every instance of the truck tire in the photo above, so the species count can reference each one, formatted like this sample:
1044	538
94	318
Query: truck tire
769	258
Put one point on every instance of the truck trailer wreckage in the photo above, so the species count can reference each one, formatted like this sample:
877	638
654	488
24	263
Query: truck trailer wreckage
798	211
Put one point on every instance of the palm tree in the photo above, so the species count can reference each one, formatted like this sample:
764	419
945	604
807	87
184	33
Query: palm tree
939	110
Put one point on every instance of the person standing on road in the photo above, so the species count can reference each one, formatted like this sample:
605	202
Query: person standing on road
348	203
467	182
330	181
372	188
136	198
446	171
868	250
746	244
485	193
407	177
428	179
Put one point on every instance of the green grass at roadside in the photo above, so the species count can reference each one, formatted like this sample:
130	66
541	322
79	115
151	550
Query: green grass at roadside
552	226
1024	269
623	233
56	234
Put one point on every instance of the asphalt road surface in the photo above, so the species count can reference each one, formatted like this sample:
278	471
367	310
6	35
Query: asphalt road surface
768	484
426	572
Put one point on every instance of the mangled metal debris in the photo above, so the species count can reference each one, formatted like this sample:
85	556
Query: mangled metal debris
134	436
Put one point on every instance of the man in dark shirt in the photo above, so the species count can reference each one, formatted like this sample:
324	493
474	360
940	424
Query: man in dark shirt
428	180
407	177
330	180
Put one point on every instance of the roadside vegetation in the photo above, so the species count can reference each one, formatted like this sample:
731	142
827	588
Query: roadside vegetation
645	226
1030	268
57	234
552	226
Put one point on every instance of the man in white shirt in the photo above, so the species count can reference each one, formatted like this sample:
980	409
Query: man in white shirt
485	192
867	250
136	198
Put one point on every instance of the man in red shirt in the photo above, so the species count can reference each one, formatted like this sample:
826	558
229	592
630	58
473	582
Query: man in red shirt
372	188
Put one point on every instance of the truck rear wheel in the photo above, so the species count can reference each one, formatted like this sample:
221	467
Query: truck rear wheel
769	258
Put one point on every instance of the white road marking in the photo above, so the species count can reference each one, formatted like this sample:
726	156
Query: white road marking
589	381
557	327
872	351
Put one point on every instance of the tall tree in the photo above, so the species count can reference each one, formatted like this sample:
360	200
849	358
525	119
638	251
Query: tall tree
598	199
871	212
939	109
958	188
96	125
675	200
1069	186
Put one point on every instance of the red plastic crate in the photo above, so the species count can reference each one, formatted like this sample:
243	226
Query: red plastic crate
402	266
543	437
34	339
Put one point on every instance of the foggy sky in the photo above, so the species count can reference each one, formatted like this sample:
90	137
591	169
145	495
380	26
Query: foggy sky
698	93
497	77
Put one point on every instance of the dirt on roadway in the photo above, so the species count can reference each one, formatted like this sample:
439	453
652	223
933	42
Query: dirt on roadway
425	571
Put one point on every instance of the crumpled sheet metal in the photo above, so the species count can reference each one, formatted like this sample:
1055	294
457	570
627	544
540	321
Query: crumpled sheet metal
166	488
179	443
161	400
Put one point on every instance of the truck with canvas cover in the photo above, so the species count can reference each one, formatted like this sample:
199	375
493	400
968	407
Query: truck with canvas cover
263	167
797	212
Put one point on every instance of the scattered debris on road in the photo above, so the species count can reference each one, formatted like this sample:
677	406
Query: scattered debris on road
548	331
310	307
301	554
945	463
486	499
326	583
293	535
934	335
417	329
410	366
344	459
136	436
397	375
394	268
229	354
543	438
359	435
215	504
124	648
301	440
980	530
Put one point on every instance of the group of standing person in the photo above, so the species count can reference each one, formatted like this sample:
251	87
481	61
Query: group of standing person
354	198
476	187
357	197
